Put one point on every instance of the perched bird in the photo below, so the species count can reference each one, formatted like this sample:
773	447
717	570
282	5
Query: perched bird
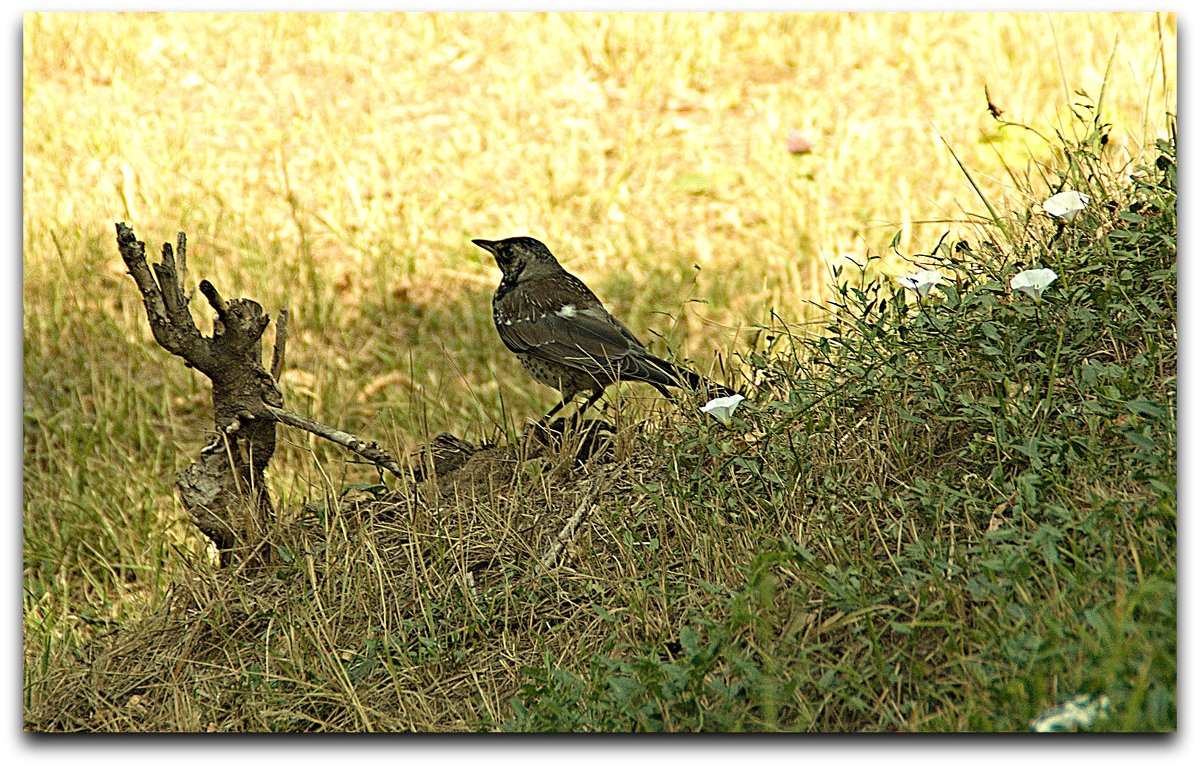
564	336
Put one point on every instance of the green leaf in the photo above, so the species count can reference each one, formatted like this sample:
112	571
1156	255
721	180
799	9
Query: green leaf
1141	440
1145	407
689	640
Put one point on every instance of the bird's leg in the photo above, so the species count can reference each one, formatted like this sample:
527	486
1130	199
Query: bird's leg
566	398
578	415
543	428
590	401
554	410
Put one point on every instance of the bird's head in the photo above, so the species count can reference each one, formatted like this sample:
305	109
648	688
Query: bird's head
520	256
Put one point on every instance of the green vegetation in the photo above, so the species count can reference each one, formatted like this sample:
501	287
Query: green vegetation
978	496
937	513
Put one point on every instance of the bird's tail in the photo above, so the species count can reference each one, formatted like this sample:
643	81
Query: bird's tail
677	375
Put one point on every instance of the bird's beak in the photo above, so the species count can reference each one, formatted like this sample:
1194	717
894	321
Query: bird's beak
488	245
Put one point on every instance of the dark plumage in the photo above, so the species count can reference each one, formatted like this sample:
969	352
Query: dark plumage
563	335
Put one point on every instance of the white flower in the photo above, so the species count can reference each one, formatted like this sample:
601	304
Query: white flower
921	282
1080	711
722	408
1033	281
1066	205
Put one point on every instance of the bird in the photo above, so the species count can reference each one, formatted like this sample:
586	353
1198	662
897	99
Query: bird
563	335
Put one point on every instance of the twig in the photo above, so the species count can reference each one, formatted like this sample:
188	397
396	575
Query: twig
568	531
371	451
280	351
181	266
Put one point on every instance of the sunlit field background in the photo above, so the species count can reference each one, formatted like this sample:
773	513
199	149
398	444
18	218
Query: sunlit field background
340	164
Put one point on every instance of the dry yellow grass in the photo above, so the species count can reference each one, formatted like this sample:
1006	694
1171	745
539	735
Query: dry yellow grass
341	163
335	160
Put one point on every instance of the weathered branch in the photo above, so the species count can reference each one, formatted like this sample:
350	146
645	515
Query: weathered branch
228	480
204	489
568	531
171	324
279	353
371	451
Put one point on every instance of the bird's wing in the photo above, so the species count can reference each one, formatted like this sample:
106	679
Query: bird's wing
589	342
584	339
589	339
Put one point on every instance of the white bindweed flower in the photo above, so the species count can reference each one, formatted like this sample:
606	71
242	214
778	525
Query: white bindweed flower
1080	711
1033	281
921	282
1066	205
722	408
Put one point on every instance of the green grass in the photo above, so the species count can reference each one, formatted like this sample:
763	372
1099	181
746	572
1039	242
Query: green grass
964	506
936	516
